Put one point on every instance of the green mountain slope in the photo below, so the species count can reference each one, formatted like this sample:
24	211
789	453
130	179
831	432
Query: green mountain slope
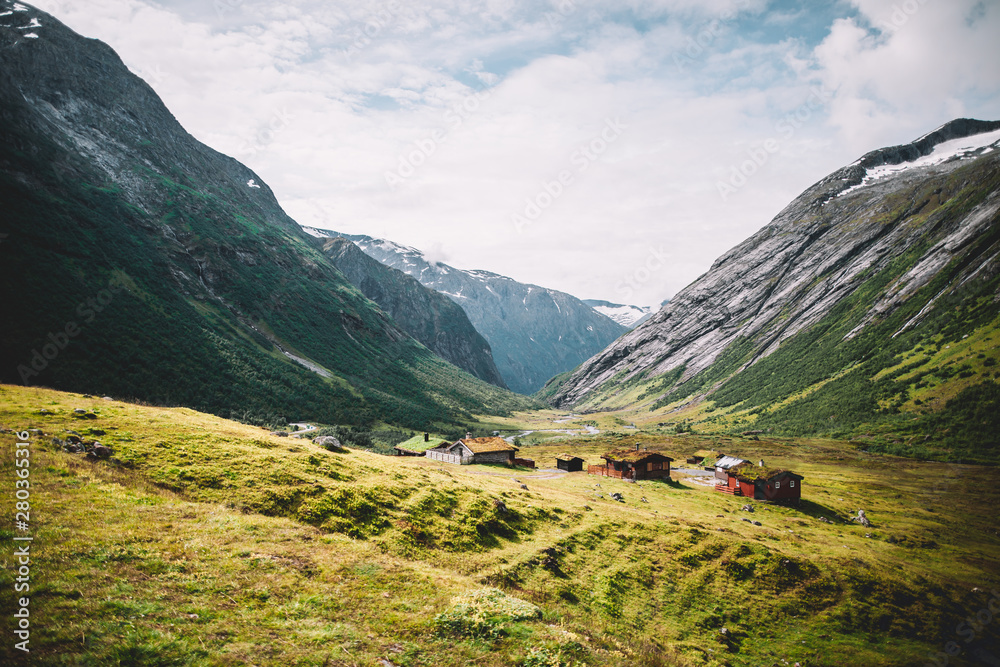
428	316
868	308
138	262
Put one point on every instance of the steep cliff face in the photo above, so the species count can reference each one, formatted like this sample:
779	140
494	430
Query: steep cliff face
890	242
142	263
428	316
534	332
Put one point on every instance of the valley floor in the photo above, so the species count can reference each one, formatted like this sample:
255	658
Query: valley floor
210	542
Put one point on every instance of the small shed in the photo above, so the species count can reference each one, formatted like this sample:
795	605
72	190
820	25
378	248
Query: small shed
569	463
723	466
772	484
418	444
474	450
633	464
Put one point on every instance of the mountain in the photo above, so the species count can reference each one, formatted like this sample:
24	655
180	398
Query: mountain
430	317
870	302
138	262
628	316
534	332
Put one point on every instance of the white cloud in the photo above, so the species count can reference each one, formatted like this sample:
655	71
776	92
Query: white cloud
323	99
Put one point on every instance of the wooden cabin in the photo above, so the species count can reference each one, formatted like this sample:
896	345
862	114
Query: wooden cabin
474	450
724	465
633	464
766	483
418	444
569	463
700	456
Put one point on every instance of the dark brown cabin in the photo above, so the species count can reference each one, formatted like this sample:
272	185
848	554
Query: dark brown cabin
569	463
633	465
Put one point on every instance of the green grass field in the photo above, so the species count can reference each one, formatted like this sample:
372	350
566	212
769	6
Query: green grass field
214	543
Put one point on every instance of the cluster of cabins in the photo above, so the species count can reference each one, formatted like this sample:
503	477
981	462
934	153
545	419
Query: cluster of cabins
733	475
627	464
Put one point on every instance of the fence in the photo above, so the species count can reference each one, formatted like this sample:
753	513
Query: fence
449	458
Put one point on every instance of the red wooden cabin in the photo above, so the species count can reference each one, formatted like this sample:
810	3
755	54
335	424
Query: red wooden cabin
766	483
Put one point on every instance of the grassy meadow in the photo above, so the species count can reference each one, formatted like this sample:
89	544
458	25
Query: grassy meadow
210	542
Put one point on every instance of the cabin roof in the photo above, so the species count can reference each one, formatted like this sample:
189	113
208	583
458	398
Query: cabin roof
417	444
727	462
568	457
747	472
484	445
633	455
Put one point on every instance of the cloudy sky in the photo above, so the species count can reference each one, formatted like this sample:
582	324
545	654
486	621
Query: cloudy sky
583	145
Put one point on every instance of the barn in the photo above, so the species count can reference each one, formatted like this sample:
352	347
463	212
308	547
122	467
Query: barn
767	483
569	463
474	450
633	464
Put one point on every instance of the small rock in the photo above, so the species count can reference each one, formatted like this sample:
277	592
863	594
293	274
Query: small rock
724	631
524	486
35	432
747	508
500	505
79	411
107	398
757	523
280	434
101	452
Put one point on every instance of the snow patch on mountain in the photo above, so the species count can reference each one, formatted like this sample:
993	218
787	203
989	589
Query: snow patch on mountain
625	315
960	149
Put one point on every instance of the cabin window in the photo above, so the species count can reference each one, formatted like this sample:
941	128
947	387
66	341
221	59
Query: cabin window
777	485
791	483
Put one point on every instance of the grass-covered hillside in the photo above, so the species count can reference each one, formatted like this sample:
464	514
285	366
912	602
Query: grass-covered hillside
209	542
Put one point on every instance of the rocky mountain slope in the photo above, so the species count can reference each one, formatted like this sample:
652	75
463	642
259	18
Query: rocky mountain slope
887	261
430	317
139	262
628	316
534	332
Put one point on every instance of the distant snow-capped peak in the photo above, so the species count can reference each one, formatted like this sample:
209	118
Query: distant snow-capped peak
625	315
